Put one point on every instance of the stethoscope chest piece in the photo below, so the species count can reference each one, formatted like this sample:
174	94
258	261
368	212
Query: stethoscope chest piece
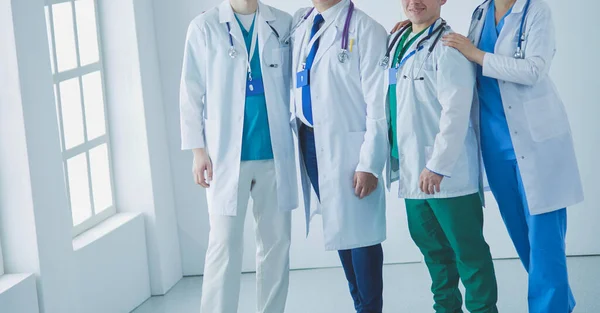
343	56
232	52
519	53
385	62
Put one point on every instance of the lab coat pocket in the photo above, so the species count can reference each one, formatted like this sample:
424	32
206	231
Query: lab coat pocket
277	61
546	117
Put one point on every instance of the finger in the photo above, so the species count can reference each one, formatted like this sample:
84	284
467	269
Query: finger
365	192
355	180
422	185
196	177
453	44
453	41
370	191
209	170
358	190
202	177
437	186
455	36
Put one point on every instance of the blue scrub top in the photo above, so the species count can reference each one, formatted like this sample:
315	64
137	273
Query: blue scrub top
256	138
495	135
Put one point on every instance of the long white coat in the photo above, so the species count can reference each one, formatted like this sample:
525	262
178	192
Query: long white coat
350	128
537	120
213	87
433	121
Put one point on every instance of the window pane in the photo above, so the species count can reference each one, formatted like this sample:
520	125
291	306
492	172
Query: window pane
49	30
79	189
64	35
71	112
101	186
86	31
94	105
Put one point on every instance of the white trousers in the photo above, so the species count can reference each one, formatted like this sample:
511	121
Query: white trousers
223	267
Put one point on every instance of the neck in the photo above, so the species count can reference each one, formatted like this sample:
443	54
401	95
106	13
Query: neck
504	5
417	28
324	6
244	6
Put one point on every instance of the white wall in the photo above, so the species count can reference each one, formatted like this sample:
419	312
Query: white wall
138	135
18	294
110	266
569	71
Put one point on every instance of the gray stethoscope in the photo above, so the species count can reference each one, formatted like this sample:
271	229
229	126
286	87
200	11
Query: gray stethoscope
343	55
519	53
437	32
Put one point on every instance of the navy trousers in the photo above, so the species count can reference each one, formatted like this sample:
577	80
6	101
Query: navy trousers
363	266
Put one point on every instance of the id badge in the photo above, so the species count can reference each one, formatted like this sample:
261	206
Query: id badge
302	79
255	87
393	76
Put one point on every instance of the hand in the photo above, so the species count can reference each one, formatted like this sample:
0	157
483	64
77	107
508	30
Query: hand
400	25
364	184
202	166
465	46
429	182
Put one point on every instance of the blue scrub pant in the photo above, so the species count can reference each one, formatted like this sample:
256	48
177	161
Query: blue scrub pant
538	239
363	266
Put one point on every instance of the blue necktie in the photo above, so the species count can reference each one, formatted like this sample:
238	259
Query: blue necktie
306	99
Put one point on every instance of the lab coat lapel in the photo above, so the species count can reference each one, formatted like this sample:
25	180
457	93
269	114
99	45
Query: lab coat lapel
265	16
299	37
328	38
477	21
226	15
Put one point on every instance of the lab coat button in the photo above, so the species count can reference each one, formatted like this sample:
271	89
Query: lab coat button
510	107
522	158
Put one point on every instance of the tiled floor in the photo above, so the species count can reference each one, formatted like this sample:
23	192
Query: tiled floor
406	290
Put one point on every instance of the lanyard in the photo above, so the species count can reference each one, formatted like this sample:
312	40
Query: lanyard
407	43
252	45
439	30
345	34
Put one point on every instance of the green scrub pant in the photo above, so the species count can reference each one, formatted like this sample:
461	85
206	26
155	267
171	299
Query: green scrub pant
449	233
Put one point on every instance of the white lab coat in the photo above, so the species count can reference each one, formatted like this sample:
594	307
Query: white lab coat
213	87
350	128
537	120
432	118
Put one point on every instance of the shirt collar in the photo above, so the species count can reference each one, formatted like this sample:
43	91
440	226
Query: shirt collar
333	12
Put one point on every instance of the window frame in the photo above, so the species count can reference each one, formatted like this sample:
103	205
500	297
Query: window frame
78	73
1	259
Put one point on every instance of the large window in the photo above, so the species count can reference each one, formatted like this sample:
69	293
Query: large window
74	37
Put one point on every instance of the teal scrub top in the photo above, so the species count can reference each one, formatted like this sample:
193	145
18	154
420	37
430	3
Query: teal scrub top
256	138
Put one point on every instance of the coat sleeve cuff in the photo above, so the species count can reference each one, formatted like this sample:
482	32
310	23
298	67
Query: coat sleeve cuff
193	143
438	172
361	168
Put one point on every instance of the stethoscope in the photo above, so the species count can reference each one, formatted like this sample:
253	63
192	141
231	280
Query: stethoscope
519	53
343	55
233	53
437	32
